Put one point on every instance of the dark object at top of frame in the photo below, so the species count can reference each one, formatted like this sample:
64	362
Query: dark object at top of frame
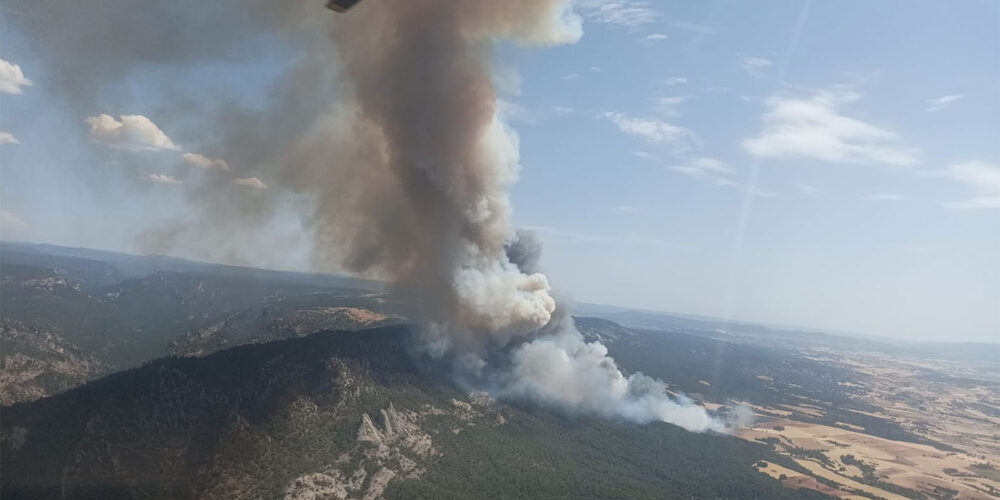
341	5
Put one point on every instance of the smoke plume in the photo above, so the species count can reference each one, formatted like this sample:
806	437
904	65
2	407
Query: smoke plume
387	124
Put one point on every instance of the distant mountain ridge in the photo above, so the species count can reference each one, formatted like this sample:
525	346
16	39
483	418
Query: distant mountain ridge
92	317
788	336
120	266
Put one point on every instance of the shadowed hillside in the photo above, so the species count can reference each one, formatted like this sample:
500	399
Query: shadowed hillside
344	413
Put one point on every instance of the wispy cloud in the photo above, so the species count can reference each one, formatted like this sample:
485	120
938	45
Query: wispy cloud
885	197
7	138
163	179
699	29
939	103
717	173
203	162
706	168
815	128
12	79
133	132
628	209
250	182
553	235
806	189
656	37
571	76
977	203
670	105
10	221
624	13
515	112
983	177
675	80
653	130
756	67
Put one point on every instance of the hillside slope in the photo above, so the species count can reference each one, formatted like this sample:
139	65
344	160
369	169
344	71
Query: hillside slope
345	415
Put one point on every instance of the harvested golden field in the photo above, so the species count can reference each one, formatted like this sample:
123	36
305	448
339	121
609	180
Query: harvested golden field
842	459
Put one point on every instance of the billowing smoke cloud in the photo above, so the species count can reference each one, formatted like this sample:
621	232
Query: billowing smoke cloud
568	373
433	163
388	128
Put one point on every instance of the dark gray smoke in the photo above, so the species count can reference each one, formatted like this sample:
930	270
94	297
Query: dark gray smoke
386	134
525	251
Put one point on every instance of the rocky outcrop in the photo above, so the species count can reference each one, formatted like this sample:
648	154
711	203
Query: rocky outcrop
391	443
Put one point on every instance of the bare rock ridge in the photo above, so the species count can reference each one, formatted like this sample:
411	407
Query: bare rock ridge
390	444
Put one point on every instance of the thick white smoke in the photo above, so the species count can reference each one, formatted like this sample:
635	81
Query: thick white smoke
566	372
388	124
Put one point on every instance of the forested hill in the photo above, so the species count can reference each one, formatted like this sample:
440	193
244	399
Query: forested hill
344	415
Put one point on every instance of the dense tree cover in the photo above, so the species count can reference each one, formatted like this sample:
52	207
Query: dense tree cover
256	417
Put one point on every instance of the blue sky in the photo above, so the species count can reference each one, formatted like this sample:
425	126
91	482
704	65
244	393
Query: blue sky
833	164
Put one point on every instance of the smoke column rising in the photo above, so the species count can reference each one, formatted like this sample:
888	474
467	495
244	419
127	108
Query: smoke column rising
387	123
421	74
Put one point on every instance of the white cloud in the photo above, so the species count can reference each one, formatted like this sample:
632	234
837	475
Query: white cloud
656	37
701	166
756	66
644	155
942	102
9	221
885	197
676	80
571	76
12	79
814	128
628	209
977	203
983	177
653	130
163	179
707	168
203	162
250	182
133	132
7	138
625	13
719	174
669	105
